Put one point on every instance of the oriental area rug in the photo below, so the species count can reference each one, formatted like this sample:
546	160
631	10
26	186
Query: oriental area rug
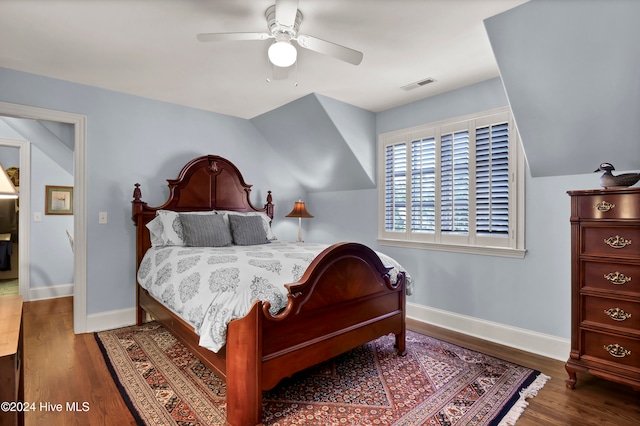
436	383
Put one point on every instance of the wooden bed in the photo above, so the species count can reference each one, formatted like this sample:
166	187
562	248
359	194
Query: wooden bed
344	299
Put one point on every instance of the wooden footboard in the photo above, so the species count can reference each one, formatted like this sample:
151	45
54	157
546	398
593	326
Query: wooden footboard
343	300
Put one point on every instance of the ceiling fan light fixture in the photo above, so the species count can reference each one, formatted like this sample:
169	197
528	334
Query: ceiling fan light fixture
282	53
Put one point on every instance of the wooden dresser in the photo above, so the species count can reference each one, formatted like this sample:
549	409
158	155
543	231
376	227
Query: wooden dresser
605	285
11	357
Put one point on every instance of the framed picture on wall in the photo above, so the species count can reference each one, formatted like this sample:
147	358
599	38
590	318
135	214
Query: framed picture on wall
59	200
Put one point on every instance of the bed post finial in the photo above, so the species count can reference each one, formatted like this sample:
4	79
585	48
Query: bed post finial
269	206
137	194
137	205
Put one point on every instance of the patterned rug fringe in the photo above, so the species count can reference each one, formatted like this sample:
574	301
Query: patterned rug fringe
530	391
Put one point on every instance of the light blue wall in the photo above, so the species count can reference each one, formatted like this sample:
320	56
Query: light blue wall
486	95
9	156
50	251
531	293
132	139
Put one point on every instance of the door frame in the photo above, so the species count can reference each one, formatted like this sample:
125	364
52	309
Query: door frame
79	123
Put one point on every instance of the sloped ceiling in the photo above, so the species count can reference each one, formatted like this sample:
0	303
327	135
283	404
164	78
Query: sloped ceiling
571	71
54	139
328	145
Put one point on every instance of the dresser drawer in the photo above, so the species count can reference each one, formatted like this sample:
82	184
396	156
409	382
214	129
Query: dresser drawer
611	276
611	348
612	312
609	206
614	241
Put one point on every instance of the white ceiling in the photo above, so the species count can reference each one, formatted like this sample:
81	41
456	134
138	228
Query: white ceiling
149	48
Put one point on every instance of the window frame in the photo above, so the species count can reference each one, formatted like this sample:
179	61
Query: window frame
511	245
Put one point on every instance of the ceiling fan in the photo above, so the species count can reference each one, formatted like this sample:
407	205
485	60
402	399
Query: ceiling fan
283	21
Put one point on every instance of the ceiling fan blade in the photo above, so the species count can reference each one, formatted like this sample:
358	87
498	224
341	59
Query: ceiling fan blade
330	49
286	11
233	36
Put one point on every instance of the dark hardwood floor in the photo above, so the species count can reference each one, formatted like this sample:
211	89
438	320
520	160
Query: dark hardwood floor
594	402
62	368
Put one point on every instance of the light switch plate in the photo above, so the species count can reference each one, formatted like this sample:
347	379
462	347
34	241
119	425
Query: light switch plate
102	217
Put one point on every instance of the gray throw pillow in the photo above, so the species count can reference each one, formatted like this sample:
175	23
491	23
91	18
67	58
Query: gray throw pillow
205	230
247	230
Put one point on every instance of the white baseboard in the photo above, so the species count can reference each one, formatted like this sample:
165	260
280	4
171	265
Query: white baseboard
519	338
111	319
51	292
96	322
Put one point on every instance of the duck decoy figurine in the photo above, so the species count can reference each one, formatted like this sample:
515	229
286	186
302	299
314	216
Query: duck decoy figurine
608	180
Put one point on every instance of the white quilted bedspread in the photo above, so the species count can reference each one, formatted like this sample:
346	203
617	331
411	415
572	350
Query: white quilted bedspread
210	286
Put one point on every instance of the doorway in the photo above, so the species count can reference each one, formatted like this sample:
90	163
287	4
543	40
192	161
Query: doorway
15	278
9	238
79	123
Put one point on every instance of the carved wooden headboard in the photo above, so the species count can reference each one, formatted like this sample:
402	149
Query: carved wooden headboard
205	183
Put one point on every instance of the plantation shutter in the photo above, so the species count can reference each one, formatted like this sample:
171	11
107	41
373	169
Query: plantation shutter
454	185
423	185
396	187
492	179
454	165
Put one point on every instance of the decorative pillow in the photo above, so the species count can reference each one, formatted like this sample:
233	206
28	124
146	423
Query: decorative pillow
247	230
205	230
155	230
172	232
266	220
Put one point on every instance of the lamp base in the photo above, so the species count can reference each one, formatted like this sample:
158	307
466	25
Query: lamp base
299	230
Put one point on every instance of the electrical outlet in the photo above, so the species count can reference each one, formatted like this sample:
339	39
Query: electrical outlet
102	217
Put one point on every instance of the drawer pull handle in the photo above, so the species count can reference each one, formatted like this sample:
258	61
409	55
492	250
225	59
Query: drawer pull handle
617	314
617	242
604	206
617	278
617	351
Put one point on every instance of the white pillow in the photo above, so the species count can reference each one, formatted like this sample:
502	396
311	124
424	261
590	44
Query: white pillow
172	234
155	230
266	220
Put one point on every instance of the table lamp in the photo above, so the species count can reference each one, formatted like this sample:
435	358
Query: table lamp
299	211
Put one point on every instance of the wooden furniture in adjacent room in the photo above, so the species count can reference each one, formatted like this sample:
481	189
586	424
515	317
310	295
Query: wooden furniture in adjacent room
11	357
344	299
605	285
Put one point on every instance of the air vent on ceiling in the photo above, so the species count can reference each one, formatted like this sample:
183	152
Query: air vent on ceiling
418	84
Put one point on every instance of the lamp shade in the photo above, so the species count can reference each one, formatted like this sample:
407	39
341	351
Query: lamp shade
299	210
282	53
7	190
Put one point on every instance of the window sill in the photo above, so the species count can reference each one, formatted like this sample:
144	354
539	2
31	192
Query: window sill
455	248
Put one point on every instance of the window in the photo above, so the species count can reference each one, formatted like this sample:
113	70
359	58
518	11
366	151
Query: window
455	185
